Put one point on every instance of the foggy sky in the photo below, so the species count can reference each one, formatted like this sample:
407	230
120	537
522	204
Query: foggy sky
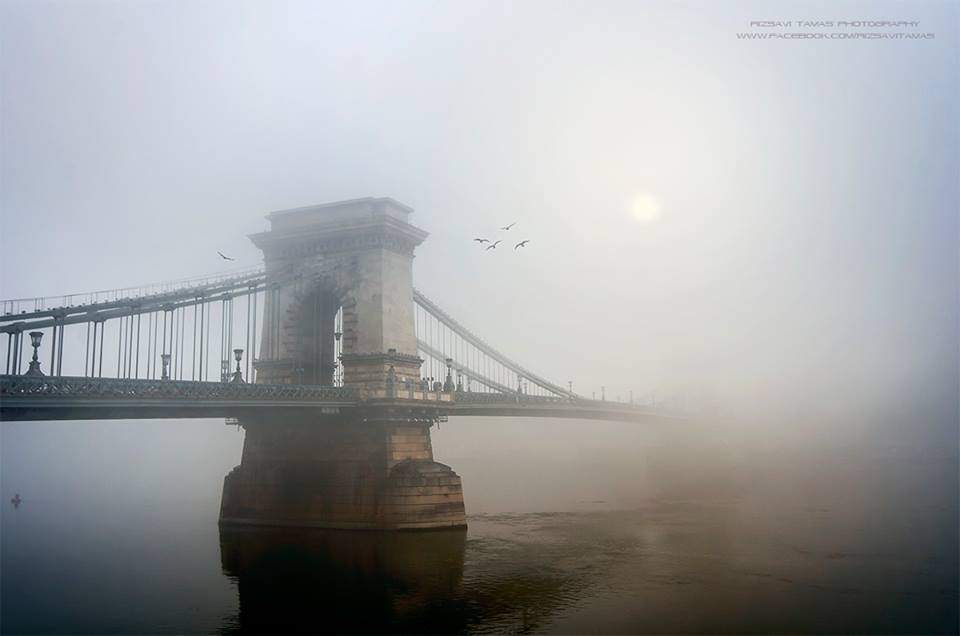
802	253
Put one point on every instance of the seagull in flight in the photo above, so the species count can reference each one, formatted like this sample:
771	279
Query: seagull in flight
522	243
224	256
481	241
493	245
507	227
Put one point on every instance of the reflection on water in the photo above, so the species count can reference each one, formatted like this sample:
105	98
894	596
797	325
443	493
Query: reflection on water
670	567
337	581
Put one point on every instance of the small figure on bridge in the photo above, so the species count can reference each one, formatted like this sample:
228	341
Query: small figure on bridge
16	500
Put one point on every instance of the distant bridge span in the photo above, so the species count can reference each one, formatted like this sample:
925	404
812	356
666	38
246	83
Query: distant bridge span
347	366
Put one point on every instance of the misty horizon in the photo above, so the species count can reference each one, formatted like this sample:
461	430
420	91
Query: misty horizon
762	233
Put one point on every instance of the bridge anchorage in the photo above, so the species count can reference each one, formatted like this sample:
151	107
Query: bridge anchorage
338	393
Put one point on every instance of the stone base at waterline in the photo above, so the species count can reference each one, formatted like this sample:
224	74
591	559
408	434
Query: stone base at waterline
342	475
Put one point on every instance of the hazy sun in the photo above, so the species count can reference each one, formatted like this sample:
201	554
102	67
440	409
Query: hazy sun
646	208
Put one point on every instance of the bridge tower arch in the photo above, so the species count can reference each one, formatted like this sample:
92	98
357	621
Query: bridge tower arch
356	255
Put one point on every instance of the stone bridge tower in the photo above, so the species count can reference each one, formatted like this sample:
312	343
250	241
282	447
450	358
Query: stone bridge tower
357	255
372	468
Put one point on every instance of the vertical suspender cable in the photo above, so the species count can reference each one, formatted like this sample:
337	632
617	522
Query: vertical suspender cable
120	332
230	346
128	347
136	366
103	324
174	342
174	329
150	338
247	342
183	338
253	342
172	348
152	362
207	351
93	352
128	350
122	340
193	346
223	332
183	312
60	350
203	312
130	322
86	353
163	345
53	348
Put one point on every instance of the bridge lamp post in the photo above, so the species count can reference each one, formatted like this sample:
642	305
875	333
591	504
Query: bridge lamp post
237	375
35	338
448	381
603	393
165	361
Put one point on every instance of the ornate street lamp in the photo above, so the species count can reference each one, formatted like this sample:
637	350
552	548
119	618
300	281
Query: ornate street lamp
237	376
165	361
34	370
448	381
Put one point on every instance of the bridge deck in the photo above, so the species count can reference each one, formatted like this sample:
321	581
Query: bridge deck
82	398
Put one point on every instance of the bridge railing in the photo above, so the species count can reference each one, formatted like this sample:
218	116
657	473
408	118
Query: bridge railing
81	388
468	398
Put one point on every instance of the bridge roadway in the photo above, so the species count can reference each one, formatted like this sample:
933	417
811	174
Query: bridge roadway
24	398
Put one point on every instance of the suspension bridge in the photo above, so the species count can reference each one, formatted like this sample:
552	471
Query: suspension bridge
334	364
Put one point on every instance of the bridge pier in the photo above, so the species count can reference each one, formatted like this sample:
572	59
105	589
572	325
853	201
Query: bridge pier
372	472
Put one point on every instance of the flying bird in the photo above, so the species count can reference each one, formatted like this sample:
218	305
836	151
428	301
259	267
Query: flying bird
481	241
507	227
493	245
224	257
522	243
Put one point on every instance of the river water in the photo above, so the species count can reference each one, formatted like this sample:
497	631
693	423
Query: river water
635	533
